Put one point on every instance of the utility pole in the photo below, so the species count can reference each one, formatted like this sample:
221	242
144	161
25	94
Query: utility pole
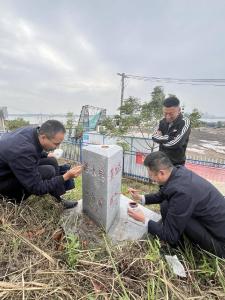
123	76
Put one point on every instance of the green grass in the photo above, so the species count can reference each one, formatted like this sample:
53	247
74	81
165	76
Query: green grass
75	194
37	268
205	271
72	246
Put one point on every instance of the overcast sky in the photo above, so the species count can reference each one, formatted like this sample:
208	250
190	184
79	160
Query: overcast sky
56	56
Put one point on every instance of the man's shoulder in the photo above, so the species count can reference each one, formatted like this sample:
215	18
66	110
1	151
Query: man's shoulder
25	130
183	120
182	171
18	133
21	139
180	177
187	180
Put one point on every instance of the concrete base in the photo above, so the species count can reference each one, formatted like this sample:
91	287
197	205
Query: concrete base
123	228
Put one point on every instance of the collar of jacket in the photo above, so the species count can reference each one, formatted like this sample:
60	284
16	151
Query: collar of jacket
36	139
179	117
173	173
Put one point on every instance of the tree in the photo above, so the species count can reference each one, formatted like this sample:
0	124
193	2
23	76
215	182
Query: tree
130	106
158	97
124	145
17	123
69	123
152	111
79	130
195	118
219	124
129	117
134	115
108	126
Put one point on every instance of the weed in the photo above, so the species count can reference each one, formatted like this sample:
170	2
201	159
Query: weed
16	242
207	267
153	250
72	247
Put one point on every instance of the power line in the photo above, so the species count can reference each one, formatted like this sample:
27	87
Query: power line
191	81
216	82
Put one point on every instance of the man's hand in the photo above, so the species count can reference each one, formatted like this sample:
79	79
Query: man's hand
159	132
136	215
73	173
51	154
134	194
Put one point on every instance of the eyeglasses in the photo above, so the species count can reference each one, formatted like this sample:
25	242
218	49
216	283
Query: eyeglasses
56	144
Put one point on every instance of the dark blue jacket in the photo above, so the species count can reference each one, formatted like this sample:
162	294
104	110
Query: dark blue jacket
189	196
20	152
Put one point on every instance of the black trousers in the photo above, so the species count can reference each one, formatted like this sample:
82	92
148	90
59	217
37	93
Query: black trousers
12	189
198	234
52	167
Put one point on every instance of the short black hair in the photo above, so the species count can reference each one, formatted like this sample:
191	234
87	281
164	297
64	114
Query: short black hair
51	127
158	160
171	102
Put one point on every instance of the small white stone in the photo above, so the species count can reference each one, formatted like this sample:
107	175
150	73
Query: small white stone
176	265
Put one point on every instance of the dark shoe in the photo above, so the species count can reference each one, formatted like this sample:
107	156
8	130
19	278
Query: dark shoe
69	204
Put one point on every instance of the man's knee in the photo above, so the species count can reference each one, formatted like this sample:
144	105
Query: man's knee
52	161
47	172
12	189
199	235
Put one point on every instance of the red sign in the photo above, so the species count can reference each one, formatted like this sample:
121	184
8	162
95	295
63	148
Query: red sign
140	157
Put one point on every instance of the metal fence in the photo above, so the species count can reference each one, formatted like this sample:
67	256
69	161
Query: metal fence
72	151
210	169
135	144
133	169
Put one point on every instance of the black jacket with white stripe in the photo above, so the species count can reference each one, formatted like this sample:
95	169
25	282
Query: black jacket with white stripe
174	139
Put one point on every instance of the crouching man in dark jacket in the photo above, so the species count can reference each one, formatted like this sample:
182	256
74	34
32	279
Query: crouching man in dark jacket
189	204
22	169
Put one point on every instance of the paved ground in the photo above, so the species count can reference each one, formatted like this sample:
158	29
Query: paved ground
207	143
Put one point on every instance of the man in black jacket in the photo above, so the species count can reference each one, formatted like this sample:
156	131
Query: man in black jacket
173	132
189	204
22	171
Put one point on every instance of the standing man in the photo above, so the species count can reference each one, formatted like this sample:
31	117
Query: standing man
22	170
173	132
189	204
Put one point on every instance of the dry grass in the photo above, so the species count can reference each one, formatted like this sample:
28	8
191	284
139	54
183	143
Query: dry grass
38	262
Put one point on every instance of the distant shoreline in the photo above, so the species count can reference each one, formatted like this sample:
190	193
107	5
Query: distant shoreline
213	120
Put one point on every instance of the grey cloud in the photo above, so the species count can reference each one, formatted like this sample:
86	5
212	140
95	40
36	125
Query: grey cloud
56	56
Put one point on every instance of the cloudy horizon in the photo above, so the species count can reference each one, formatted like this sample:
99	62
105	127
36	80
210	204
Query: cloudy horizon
56	56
